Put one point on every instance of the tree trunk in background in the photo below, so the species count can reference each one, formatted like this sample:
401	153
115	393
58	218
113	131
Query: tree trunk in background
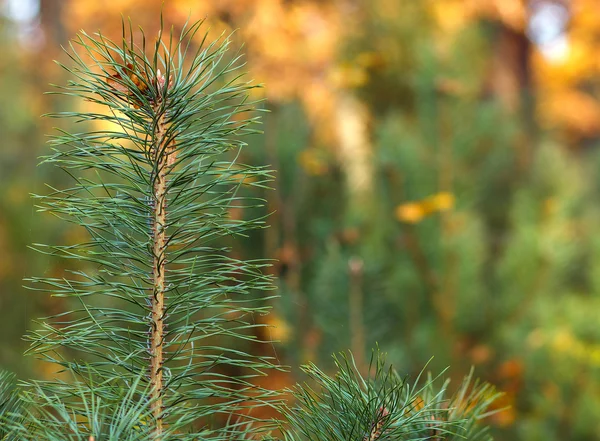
511	82
52	24
355	154
54	36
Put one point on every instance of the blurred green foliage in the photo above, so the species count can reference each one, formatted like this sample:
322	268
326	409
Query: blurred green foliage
505	276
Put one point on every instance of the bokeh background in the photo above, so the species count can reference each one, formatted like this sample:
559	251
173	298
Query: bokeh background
437	189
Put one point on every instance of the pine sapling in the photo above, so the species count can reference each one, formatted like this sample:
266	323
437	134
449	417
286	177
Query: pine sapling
163	313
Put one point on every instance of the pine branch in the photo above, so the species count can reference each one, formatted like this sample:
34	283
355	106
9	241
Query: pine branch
383	406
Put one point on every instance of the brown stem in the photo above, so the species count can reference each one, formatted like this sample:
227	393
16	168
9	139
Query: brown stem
356	325
164	156
377	427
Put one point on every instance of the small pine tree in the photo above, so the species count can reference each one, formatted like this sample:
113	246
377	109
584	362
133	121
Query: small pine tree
161	300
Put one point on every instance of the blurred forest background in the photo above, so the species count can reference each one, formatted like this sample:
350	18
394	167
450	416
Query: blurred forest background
437	186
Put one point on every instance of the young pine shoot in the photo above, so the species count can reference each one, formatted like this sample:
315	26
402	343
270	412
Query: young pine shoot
157	342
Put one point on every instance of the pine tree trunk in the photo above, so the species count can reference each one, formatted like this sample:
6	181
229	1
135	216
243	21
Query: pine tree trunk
164	157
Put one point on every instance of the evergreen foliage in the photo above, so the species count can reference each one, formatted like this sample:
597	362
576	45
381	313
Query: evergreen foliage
384	406
507	279
11	406
157	344
160	296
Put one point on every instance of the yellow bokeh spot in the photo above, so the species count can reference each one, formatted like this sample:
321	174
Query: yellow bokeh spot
443	201
279	329
563	341
411	212
451	15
